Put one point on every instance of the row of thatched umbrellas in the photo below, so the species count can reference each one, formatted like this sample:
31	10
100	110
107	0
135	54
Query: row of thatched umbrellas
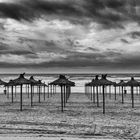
20	81
103	82
62	81
66	85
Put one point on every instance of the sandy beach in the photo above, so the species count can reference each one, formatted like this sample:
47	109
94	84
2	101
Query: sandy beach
81	118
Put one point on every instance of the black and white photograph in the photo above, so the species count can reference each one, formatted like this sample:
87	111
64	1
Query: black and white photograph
69	69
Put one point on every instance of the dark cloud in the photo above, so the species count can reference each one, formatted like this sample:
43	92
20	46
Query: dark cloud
125	41
16	52
72	10
15	11
135	34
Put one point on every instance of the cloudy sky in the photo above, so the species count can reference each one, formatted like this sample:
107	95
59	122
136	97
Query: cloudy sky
69	35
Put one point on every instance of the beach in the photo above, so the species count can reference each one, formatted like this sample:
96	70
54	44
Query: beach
81	118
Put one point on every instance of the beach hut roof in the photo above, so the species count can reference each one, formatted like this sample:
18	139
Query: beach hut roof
104	81
21	80
133	82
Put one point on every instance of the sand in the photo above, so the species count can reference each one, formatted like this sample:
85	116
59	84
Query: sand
81	119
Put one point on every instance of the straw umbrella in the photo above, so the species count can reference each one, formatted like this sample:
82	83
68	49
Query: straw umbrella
2	83
39	84
68	89
122	84
62	82
44	85
96	83
11	84
87	90
21	80
33	83
104	82
115	85
132	83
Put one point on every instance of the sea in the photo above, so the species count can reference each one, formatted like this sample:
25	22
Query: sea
79	79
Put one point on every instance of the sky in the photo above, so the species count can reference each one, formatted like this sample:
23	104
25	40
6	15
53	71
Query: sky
69	35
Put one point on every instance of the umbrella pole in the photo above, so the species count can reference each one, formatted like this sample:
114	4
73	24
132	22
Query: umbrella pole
91	93
48	90
119	90
132	96
61	99
15	91
109	92
21	98
115	93
55	89
27	90
103	99
122	96
39	94
44	93
32	95
97	96
64	96
8	92
12	94
51	90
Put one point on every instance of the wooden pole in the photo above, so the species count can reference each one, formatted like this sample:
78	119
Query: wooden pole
32	95
15	91
44	93
8	92
132	96
64	96
93	94
39	90
115	94
122	96
21	97
12	94
97	96
48	91
103	99
62	99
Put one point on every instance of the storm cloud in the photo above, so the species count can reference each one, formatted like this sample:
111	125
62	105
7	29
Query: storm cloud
100	34
107	12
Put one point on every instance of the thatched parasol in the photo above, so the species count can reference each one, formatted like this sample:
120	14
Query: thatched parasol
132	83
11	84
122	84
33	82
96	83
2	82
39	84
104	82
62	81
21	80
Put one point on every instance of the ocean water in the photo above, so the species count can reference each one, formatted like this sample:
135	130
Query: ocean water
79	79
